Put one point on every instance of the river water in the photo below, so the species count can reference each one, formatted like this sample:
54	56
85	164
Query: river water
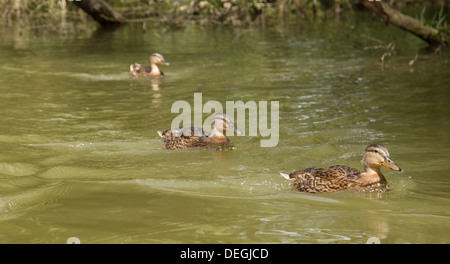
80	156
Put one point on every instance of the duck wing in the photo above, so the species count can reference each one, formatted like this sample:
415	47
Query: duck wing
328	179
137	70
180	138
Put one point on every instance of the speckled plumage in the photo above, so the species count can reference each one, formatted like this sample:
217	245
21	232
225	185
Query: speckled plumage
339	177
139	71
179	139
329	179
191	137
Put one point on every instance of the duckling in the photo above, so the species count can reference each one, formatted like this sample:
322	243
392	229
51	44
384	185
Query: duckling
182	138
339	177
139	71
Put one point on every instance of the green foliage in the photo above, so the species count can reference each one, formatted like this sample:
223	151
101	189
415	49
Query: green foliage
437	21
235	12
326	4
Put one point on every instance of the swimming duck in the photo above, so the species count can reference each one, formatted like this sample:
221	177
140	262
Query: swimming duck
181	138
339	177
139	71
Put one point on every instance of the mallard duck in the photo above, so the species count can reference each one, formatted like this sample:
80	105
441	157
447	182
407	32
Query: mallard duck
182	138
339	177
139	71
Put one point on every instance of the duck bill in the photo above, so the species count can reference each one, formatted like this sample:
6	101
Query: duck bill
388	163
166	63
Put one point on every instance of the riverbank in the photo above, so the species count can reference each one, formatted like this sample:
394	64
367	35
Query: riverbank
180	13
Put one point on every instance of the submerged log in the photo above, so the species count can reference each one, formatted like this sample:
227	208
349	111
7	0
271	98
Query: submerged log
405	22
100	11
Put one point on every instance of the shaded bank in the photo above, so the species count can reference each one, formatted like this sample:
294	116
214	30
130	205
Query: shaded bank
234	12
230	12
101	12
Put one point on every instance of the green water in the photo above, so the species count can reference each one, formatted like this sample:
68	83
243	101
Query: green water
80	156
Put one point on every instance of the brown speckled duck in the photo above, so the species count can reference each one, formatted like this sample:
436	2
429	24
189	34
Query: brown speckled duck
339	177
182	138
139	71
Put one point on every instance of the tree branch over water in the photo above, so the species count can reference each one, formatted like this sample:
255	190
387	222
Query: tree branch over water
398	19
101	12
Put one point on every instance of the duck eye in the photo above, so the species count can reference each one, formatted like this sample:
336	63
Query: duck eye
376	151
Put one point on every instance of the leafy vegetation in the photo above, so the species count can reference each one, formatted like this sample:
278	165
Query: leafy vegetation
205	12
236	12
438	21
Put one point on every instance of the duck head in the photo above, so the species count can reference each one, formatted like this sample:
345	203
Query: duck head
221	123
377	155
157	58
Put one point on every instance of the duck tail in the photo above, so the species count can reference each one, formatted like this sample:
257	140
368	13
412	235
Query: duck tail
160	133
285	175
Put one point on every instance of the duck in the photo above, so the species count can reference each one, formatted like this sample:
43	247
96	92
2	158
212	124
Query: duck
340	177
191	137
139	71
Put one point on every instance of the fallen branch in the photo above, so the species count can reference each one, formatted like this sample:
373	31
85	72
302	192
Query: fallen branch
397	18
100	11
